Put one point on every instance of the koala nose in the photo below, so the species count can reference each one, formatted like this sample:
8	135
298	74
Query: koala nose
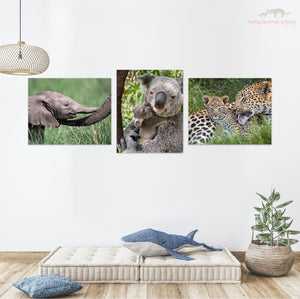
160	100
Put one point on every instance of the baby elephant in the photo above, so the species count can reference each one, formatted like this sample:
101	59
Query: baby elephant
47	109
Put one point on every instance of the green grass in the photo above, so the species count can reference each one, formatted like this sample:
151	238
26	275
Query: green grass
89	92
261	131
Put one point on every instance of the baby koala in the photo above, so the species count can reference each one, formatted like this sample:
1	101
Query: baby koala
141	113
146	123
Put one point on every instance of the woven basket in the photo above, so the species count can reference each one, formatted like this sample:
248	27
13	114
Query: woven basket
269	261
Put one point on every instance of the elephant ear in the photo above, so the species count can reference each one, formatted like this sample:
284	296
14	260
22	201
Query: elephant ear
40	113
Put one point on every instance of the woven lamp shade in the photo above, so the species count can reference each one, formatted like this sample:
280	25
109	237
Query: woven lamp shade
23	59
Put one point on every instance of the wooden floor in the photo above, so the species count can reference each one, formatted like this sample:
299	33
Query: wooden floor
17	265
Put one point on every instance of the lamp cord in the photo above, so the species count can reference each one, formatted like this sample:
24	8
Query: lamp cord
20	55
20	19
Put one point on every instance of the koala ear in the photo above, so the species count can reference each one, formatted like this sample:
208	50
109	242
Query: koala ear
146	79
265	87
180	82
225	99
205	100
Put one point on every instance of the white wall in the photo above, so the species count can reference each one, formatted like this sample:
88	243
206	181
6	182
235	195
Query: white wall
89	195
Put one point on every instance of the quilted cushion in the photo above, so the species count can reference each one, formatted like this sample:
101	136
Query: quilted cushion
44	286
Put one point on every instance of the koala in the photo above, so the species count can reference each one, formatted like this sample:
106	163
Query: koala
141	113
163	131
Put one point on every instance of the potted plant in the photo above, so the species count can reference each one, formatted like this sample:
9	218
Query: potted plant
270	254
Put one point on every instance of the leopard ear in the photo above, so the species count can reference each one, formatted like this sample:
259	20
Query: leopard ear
225	99
205	100
265	87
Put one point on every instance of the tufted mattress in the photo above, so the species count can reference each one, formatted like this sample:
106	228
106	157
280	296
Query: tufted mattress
121	265
93	264
208	267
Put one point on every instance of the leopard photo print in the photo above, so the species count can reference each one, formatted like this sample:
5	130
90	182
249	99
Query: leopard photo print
230	111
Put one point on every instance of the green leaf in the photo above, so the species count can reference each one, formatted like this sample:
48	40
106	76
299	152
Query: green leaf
129	91
266	237
262	197
273	193
284	204
257	209
285	218
282	212
268	207
259	227
286	241
282	234
294	232
278	229
289	224
261	217
276	196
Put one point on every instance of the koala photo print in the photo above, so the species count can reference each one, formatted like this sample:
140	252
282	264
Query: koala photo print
149	111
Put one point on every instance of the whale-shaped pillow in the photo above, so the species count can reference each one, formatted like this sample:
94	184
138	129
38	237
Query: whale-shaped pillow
150	242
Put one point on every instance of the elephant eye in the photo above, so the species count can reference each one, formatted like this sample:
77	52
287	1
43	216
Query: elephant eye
151	92
173	96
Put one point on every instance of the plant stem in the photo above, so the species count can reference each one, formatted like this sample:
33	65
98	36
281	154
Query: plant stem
272	224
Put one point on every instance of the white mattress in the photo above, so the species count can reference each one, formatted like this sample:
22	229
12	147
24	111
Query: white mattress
93	264
208	267
121	265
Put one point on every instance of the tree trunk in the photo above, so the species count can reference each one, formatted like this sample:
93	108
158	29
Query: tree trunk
121	77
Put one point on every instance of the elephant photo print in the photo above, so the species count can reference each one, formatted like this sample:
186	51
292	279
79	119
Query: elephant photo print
149	111
230	111
69	111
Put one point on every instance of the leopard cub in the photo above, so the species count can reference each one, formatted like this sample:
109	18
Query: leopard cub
222	113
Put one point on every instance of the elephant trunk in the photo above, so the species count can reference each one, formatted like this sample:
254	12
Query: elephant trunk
99	114
85	110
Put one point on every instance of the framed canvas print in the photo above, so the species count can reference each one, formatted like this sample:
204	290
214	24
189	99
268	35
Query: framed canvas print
230	111
149	111
69	111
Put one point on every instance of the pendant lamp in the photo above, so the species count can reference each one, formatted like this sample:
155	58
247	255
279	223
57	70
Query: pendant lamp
22	59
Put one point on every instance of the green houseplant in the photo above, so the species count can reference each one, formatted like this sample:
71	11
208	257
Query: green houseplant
270	254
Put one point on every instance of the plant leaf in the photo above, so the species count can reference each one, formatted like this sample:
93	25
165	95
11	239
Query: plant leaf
289	224
266	237
284	204
261	217
279	229
257	209
259	227
292	241
294	232
262	197
276	196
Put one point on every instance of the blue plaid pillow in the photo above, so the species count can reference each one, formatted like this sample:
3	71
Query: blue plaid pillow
43	286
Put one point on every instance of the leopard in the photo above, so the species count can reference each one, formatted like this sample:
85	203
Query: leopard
203	123
201	127
222	113
253	99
